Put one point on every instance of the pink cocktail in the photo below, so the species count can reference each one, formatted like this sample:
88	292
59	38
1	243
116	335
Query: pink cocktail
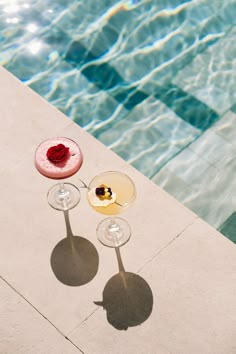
60	158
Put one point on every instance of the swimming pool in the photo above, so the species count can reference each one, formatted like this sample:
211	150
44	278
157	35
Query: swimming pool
152	80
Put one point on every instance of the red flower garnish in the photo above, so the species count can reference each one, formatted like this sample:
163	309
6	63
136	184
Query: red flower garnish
58	153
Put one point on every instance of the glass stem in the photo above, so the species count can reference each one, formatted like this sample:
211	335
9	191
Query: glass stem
61	187
113	227
62	195
114	231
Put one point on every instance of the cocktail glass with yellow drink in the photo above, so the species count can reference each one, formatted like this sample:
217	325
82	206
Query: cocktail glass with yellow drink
111	193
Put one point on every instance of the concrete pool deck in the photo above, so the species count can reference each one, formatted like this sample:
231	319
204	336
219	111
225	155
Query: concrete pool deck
176	294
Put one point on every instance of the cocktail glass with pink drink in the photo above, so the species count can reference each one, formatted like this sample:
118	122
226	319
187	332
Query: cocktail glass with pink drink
59	158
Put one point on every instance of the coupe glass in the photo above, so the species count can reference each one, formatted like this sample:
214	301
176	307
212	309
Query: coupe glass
113	231
59	158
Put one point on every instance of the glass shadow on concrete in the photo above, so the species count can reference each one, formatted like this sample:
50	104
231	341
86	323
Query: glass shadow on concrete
74	260
127	298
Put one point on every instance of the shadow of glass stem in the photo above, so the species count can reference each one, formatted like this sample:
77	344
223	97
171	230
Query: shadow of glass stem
74	260
127	298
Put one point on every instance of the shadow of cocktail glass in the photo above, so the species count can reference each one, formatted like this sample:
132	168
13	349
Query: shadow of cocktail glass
127	298
74	260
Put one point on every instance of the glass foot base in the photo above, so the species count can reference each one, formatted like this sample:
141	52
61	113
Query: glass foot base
63	198
113	232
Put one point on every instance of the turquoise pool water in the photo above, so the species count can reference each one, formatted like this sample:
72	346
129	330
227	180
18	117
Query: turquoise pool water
153	80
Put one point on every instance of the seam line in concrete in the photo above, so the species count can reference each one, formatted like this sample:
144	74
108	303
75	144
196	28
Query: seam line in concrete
80	324
168	244
156	255
32	306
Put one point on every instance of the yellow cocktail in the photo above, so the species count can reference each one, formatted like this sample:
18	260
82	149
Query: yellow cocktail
110	193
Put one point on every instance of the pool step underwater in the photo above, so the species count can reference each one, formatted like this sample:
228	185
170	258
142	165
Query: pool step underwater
228	228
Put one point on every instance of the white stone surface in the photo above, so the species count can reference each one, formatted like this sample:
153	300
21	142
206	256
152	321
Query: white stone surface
31	230
193	282
23	330
37	228
23	124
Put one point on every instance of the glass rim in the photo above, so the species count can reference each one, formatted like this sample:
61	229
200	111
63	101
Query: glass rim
57	137
121	173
